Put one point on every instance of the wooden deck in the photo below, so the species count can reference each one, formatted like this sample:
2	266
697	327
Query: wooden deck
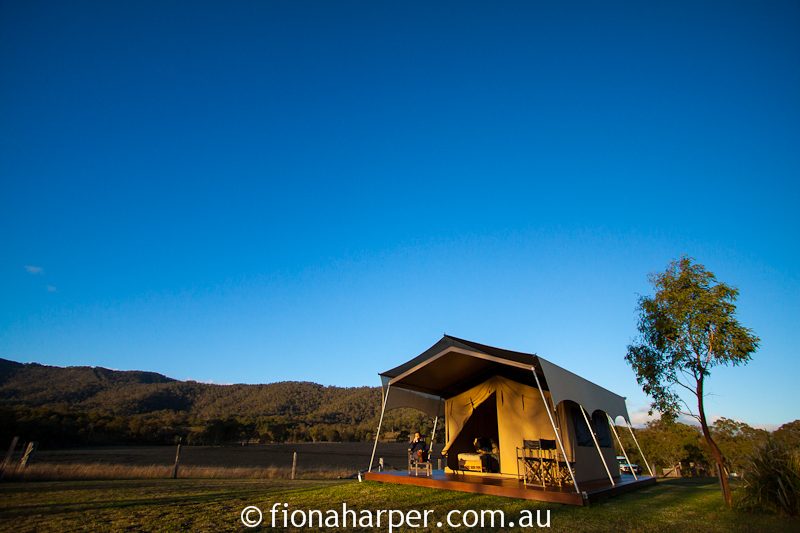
513	488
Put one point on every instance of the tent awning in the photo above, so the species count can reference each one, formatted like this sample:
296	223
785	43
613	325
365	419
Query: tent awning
454	365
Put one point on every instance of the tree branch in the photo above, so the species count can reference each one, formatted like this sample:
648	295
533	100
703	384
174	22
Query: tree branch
690	414
710	349
678	382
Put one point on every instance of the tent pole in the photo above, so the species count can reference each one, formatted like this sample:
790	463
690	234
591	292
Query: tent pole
621	447
640	448
555	430
594	438
378	433
433	437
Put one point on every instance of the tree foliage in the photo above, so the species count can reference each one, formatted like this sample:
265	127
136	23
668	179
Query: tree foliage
686	329
668	443
738	441
789	434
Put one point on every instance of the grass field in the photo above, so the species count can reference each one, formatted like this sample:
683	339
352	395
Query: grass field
352	456
214	505
320	460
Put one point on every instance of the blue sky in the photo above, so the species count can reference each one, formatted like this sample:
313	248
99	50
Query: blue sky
265	191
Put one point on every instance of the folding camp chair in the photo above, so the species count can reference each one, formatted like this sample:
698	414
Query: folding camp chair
545	453
532	461
556	471
425	463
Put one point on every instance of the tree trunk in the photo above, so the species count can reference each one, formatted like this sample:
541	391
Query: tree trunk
715	451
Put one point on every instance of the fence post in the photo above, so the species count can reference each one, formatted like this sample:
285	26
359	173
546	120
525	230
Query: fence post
177	460
28	452
294	463
9	454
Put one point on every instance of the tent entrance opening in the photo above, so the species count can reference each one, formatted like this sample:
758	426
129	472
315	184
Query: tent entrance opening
476	447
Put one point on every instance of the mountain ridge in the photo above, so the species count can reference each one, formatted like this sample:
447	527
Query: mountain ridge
96	405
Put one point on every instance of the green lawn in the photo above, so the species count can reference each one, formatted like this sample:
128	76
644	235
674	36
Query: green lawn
214	505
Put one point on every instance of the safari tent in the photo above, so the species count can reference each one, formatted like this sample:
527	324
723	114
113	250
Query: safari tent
515	401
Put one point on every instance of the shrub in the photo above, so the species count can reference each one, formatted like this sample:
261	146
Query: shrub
772	479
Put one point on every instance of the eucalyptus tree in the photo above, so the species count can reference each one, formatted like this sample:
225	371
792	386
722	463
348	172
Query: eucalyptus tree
685	330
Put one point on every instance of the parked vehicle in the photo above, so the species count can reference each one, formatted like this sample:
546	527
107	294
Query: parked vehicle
624	468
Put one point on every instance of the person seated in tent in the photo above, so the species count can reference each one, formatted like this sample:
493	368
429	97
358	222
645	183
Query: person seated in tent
487	448
484	445
418	449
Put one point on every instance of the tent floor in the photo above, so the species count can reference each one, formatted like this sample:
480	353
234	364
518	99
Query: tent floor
513	488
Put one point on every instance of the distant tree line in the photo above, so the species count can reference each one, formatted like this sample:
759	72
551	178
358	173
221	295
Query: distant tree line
668	443
60	426
82	406
79	406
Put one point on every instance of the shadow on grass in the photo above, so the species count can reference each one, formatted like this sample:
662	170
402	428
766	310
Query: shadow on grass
669	494
689	481
217	495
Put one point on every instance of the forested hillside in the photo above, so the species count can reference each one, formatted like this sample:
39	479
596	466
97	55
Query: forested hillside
90	405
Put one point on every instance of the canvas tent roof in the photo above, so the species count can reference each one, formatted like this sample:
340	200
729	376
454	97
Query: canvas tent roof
453	365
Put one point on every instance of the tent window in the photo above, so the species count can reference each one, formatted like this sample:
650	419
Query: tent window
582	435
600	423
